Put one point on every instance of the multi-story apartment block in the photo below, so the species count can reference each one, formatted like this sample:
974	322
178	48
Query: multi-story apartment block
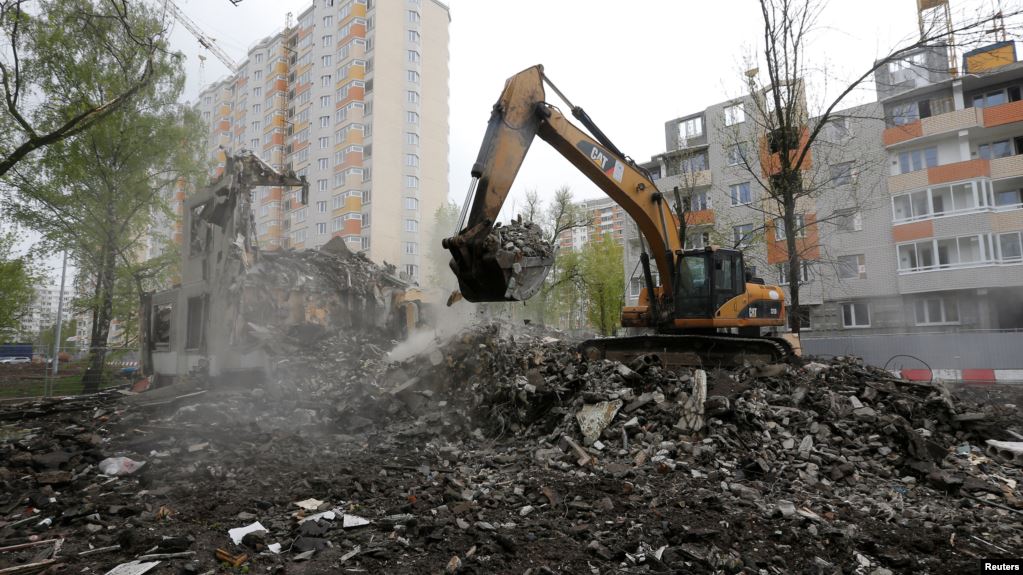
354	97
43	311
603	217
917	226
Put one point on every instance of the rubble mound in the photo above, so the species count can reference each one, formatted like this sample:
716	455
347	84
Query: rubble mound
518	237
505	451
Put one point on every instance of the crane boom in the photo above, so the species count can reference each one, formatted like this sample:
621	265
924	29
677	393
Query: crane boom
204	39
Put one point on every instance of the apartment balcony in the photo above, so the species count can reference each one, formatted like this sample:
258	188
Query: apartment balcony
950	122
977	275
953	172
685	181
700	218
1007	167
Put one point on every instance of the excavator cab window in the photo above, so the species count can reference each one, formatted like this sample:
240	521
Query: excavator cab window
693	287
729	276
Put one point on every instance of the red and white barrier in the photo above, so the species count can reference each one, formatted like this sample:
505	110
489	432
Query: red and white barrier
974	376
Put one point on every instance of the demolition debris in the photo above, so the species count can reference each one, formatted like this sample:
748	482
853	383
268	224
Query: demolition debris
505	451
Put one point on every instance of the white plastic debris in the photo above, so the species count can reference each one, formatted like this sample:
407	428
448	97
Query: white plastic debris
351	521
238	533
310	504
118	466
133	568
274	547
328	515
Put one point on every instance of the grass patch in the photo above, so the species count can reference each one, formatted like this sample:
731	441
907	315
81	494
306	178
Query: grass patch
62	385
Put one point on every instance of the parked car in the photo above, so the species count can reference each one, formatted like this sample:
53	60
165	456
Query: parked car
11	360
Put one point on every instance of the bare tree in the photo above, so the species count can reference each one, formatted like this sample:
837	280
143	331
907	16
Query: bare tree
48	56
779	151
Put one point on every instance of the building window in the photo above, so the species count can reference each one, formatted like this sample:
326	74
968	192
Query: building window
849	220
779	227
699	201
735	114
412	138
690	128
321	228
855	314
804	317
697	240
412	117
736	154
412	160
1010	247
196	327
740	194
411	248
324	143
324	101
741	235
990	99
411	204
841	174
695	162
411	225
321	185
413	56
905	113
323	163
838	129
1009	198
413	16
413	77
411	182
327	61
852	267
783	273
324	121
321	207
412	96
994	150
327	40
936	311
915	160
413	36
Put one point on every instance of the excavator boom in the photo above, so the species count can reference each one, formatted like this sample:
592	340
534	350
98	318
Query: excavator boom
700	291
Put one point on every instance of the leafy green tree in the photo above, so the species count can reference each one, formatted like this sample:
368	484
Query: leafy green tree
603	274
52	55
444	221
44	341
97	194
17	279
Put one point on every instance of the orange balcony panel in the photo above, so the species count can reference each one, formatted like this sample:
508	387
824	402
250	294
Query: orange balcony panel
809	247
352	160
1003	114
280	84
303	88
241	81
896	134
303	32
771	163
353	227
354	95
278	139
913	231
353	204
958	171
696	218
298	147
224	126
280	68
358	31
223	111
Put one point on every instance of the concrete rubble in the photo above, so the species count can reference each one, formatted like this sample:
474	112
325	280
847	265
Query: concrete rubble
504	451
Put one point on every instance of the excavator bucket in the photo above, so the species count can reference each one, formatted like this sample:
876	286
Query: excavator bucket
500	263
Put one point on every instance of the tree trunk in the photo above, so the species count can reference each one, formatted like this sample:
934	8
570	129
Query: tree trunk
101	327
793	255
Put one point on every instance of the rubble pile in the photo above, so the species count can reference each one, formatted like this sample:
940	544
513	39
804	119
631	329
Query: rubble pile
291	300
505	451
520	238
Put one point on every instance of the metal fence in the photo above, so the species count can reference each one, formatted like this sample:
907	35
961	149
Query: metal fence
961	350
37	378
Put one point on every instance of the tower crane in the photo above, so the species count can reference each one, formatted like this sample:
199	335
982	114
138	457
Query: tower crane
204	39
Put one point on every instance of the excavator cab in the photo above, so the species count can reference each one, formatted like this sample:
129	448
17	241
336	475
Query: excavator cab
707	278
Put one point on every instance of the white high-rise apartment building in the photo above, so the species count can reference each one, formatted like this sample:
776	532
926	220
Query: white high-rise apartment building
355	98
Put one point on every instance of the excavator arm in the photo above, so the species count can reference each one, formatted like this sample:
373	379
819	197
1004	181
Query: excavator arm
521	114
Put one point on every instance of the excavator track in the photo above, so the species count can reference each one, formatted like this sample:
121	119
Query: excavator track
691	350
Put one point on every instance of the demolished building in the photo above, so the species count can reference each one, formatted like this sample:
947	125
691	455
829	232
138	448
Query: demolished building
236	308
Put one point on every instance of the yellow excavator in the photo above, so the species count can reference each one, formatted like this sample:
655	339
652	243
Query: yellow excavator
707	310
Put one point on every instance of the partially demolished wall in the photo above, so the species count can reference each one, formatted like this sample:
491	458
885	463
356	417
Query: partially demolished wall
235	304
